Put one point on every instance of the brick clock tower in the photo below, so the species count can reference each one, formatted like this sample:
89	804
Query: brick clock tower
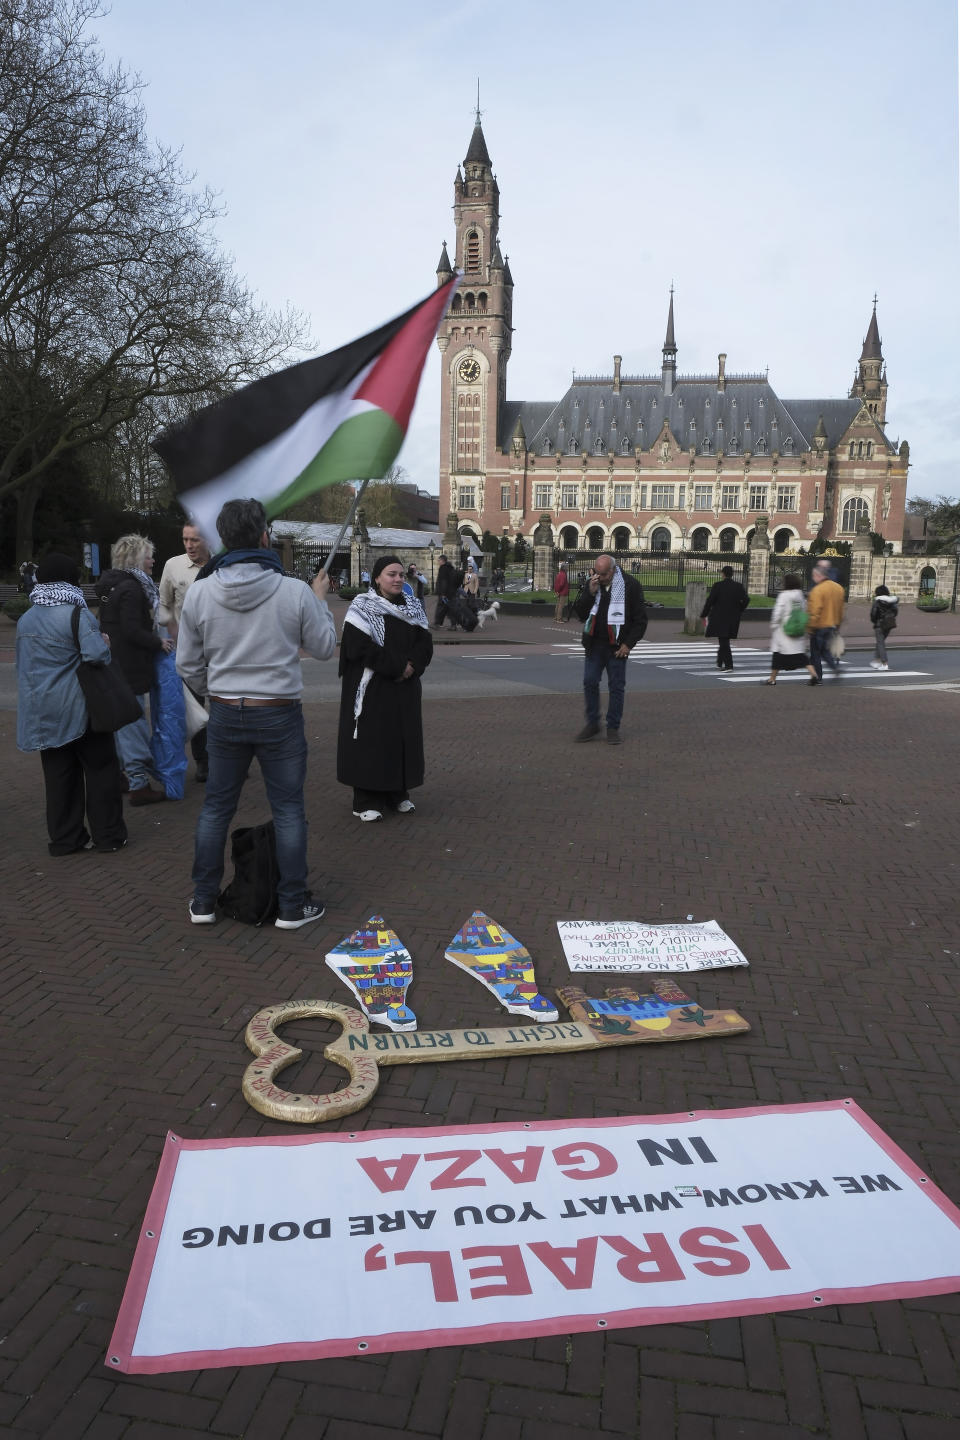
475	338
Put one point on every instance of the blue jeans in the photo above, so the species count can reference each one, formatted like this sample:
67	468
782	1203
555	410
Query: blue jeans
274	734
820	650
133	748
595	662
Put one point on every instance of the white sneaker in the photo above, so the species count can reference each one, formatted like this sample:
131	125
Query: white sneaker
881	666
406	807
877	665
368	815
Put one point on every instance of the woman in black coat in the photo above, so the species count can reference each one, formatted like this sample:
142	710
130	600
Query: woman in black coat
385	648
726	602
128	606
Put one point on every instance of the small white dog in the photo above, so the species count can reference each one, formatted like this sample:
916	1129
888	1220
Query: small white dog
489	614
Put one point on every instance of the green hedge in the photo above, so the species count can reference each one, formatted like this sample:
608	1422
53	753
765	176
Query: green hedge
16	606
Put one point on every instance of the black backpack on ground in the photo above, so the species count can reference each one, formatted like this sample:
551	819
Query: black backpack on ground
251	895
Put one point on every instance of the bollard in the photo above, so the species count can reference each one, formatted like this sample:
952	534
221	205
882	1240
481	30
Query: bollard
695	601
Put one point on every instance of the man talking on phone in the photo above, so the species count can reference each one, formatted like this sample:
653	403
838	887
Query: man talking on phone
612	607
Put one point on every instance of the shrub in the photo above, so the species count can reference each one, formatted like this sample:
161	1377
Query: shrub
348	592
933	604
16	606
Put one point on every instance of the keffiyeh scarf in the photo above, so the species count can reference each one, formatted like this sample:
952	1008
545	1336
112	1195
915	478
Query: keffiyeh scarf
57	592
617	613
149	588
368	614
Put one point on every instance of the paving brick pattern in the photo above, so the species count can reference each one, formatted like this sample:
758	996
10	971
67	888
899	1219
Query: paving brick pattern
820	827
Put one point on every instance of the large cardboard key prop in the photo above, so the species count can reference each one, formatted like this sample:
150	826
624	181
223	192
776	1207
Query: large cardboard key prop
621	1017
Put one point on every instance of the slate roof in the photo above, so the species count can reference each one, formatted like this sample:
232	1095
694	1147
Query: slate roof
748	415
837	415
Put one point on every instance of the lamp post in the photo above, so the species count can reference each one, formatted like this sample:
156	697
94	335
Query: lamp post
432	547
956	575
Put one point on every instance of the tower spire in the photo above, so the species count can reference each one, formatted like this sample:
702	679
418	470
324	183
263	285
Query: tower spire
669	368
870	384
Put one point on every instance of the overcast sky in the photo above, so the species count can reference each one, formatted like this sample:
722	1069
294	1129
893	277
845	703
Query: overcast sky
779	163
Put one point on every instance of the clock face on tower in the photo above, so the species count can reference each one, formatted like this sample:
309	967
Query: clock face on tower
469	370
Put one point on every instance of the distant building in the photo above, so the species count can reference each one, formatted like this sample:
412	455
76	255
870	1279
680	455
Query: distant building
645	462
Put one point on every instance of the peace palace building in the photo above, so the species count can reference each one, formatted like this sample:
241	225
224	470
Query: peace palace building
651	462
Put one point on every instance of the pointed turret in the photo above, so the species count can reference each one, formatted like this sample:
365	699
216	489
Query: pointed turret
669	370
477	153
444	268
871	345
870	385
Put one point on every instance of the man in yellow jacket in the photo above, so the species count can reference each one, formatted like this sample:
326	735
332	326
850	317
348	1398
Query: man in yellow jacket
824	612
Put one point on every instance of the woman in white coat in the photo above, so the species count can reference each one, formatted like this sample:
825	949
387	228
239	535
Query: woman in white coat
788	652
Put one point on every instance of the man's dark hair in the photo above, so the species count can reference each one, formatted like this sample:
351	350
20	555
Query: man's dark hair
727	572
241	523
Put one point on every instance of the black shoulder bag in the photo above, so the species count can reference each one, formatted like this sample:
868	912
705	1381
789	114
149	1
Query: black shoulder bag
111	703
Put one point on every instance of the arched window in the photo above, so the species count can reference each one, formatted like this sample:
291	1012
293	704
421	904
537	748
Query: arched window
852	448
660	539
546	448
781	541
621	538
734	447
728	539
761	446
598	445
853	510
458	305
472	250
706	448
700	539
788	445
568	537
594	538
625	445
482	300
471	300
869	449
574	447
928	580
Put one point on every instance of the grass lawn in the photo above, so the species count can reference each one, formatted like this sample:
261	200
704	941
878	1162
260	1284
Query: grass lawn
672	599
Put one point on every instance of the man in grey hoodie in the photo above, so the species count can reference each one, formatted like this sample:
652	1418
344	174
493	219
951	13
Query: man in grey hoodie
242	627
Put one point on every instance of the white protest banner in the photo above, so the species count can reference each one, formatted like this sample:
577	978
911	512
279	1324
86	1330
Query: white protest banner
296	1247
627	945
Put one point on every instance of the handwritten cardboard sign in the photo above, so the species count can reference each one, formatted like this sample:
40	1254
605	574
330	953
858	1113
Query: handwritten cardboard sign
622	946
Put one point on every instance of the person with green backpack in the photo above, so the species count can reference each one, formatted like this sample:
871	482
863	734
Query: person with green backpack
788	627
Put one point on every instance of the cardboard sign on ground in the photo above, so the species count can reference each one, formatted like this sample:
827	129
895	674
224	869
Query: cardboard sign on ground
625	946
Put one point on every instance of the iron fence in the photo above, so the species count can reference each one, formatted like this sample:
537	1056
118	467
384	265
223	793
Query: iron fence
802	565
657	569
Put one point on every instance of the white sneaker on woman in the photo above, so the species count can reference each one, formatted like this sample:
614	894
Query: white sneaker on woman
406	807
368	815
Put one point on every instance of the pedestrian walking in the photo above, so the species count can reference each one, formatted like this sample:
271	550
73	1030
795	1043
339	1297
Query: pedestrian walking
883	618
561	588
612	607
788	624
448	583
725	603
824	614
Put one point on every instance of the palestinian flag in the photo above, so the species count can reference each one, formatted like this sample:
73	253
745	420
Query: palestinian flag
339	417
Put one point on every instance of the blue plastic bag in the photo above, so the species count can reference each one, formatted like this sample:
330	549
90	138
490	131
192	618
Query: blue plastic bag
169	739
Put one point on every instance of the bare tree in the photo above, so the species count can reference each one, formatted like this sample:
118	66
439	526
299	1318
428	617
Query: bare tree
115	301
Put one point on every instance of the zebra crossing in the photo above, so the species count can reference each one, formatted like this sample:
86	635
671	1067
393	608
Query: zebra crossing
751	664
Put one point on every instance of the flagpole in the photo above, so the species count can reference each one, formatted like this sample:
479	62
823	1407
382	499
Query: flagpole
343	528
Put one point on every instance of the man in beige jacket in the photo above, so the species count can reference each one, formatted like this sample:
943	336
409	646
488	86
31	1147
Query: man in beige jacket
824	612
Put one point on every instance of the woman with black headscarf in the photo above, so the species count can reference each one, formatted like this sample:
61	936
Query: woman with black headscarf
385	648
80	768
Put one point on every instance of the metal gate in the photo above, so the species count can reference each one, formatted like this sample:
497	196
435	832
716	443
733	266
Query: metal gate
802	565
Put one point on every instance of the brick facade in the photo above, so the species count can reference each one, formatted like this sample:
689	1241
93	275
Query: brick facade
645	462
